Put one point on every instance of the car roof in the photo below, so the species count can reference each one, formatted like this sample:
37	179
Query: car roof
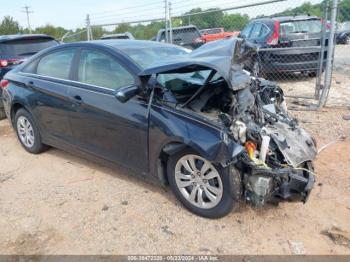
181	28
286	18
129	43
6	38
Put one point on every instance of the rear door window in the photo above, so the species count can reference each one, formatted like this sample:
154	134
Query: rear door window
246	31
99	69
56	64
26	47
256	31
264	31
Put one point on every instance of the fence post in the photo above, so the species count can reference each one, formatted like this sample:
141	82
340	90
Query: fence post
323	45
330	56
170	26
88	28
166	20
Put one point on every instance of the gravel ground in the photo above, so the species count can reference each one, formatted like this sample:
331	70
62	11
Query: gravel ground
58	203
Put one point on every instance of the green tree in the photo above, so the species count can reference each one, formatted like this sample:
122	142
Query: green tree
56	32
9	26
344	11
235	22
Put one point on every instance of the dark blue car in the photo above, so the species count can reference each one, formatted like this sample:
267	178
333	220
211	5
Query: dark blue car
195	120
14	49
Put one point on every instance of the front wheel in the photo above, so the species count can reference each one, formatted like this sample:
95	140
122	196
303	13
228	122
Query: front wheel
204	188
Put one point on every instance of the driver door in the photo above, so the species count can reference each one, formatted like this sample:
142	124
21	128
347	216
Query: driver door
100	124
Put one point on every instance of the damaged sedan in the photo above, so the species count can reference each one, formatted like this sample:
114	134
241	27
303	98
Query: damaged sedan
194	120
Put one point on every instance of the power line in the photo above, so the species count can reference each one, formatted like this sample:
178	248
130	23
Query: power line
27	11
135	14
126	8
197	13
230	8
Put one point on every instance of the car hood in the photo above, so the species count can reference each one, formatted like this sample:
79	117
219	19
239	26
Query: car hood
223	56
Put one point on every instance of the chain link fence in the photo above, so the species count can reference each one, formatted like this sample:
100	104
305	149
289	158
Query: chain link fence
292	37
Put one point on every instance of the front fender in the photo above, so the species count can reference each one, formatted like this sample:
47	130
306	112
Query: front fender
168	126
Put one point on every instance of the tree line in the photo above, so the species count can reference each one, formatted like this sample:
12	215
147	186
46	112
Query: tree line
216	18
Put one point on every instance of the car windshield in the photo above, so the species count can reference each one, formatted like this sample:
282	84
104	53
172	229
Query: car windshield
301	26
26	47
148	56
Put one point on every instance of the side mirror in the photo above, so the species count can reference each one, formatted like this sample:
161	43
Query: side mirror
125	93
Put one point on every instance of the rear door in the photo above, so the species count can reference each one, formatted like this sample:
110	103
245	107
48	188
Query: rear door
48	78
102	125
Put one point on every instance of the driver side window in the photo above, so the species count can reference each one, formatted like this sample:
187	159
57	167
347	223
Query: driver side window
96	68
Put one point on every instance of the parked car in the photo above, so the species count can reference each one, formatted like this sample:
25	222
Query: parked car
277	35
343	34
185	36
194	120
126	35
14	49
213	34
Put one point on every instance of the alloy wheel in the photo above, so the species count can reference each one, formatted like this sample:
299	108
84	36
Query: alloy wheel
25	131
198	181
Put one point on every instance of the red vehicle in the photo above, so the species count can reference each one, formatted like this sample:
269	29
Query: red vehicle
213	34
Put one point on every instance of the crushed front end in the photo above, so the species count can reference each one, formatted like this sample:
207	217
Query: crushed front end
277	162
275	158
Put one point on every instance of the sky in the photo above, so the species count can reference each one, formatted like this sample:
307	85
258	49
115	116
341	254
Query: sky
72	14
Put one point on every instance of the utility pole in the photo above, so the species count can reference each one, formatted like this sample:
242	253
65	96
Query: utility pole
88	28
170	26
166	20
27	11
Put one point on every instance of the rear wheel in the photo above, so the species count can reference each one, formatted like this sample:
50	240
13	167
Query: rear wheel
28	133
347	40
204	188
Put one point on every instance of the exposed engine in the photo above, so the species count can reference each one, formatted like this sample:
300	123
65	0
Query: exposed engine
277	159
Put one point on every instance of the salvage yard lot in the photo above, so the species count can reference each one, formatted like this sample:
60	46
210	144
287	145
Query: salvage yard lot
57	203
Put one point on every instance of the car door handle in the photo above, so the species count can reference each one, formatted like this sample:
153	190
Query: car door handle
30	84
77	99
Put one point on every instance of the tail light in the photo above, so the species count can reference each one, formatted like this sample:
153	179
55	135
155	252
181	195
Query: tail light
7	62
273	39
3	63
4	83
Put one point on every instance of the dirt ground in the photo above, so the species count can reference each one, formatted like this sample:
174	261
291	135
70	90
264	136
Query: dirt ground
57	203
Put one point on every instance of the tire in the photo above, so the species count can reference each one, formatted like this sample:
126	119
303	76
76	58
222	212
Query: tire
2	113
28	133
313	74
226	182
347	40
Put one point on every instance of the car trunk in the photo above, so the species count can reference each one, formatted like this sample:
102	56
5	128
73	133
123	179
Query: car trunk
300	33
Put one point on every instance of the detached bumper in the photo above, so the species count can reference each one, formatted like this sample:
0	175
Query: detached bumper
284	184
298	188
